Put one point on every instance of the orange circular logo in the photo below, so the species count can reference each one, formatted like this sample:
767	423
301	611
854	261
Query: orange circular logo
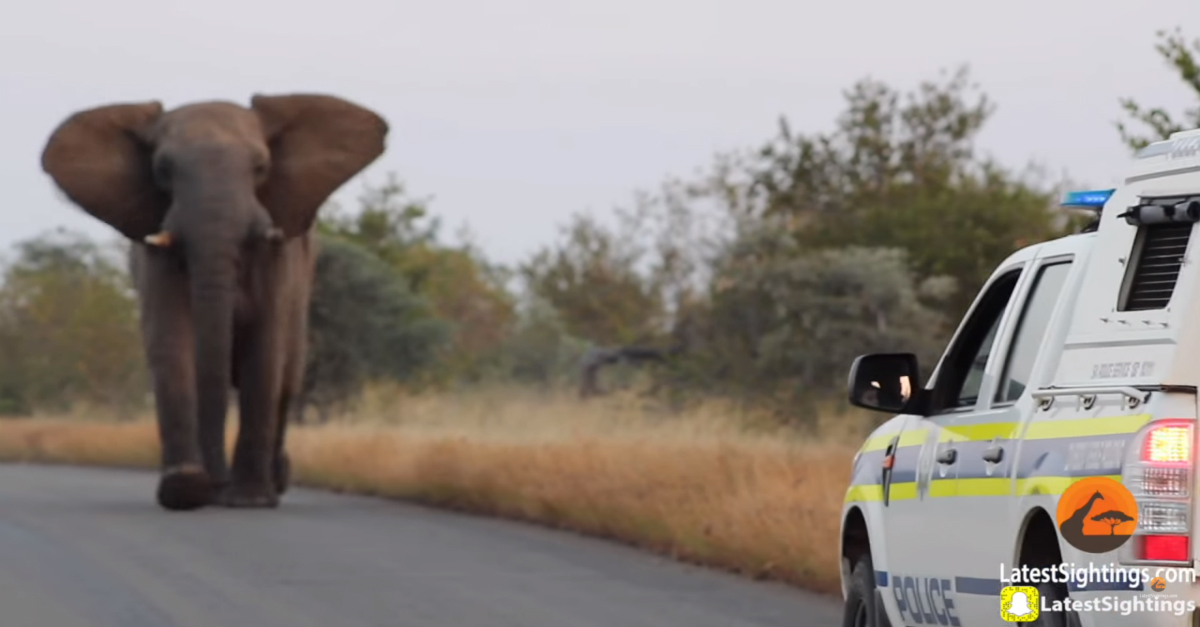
1097	515
1158	584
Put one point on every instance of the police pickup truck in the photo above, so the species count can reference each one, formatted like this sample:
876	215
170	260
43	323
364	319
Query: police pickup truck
1046	471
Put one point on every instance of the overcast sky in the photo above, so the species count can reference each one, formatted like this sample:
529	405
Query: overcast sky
515	114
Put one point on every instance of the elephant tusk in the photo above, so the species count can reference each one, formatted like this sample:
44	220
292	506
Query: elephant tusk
274	234
161	239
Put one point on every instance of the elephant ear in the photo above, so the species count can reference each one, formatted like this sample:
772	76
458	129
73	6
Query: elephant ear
101	159
317	143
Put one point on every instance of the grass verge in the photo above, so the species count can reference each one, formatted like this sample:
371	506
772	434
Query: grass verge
699	488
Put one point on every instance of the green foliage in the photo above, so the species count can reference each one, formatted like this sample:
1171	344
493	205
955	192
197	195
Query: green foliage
365	324
875	236
760	278
592	280
388	224
782	330
464	291
1181	56
900	171
68	328
540	350
883	144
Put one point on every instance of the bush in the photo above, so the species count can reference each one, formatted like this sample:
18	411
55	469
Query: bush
364	324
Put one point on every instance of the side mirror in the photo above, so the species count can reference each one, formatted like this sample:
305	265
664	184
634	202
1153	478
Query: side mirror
885	382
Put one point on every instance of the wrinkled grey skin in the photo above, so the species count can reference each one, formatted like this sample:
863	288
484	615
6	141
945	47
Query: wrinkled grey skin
219	201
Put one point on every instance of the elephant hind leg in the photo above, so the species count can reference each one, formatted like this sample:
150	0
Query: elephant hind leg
259	377
281	468
185	487
289	397
282	472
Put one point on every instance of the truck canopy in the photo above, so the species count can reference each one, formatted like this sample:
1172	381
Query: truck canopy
1142	328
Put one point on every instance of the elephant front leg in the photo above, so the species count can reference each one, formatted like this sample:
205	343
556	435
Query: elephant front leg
252	481
184	484
166	328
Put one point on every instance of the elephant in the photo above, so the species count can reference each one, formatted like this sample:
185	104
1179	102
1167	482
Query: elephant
218	201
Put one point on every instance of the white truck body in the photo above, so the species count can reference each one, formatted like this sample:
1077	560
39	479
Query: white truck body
1090	369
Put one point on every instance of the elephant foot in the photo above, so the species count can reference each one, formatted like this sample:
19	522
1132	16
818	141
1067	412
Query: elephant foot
282	470
243	495
184	487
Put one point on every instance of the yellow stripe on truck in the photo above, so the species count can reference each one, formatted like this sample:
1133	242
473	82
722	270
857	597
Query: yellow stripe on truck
864	493
1044	430
877	443
944	488
1052	485
983	432
1108	425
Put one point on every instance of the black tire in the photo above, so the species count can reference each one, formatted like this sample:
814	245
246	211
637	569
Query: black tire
1050	593
862	608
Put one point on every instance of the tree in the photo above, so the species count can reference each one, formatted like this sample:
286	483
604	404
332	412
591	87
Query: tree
782	329
470	296
1113	518
900	171
364	324
1181	55
539	350
593	280
876	235
68	327
388	223
621	286
462	288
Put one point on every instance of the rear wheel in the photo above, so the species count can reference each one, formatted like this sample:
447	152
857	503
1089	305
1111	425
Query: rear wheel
1040	549
863	608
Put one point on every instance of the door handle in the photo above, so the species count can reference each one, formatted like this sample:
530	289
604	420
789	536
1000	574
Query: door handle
889	462
947	456
994	454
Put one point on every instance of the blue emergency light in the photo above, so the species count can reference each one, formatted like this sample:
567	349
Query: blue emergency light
1094	199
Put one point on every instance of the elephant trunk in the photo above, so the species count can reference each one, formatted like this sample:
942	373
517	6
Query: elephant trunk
214	288
213	228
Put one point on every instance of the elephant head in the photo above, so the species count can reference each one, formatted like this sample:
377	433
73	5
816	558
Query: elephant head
212	187
209	176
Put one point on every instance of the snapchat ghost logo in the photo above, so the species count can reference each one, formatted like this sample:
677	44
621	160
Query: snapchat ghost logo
1019	604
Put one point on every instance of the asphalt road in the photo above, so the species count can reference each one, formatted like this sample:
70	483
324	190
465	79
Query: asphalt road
88	548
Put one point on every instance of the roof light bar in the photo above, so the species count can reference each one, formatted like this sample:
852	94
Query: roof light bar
1094	198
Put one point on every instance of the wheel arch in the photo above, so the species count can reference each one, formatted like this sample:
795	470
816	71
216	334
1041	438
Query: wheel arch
1037	541
855	540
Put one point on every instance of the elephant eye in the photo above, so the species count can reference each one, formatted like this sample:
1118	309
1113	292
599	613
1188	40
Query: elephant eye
162	172
260	170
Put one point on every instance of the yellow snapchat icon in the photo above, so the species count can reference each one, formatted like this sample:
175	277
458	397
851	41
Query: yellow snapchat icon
1019	604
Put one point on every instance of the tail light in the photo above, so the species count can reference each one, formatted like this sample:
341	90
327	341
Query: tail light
1160	478
1163	548
1168	445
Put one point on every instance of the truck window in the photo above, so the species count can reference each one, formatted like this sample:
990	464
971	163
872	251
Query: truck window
1031	330
970	390
959	377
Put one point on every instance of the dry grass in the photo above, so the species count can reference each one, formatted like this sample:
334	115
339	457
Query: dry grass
699	487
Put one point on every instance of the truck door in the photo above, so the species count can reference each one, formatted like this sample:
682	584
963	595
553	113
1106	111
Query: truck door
985	440
929	530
